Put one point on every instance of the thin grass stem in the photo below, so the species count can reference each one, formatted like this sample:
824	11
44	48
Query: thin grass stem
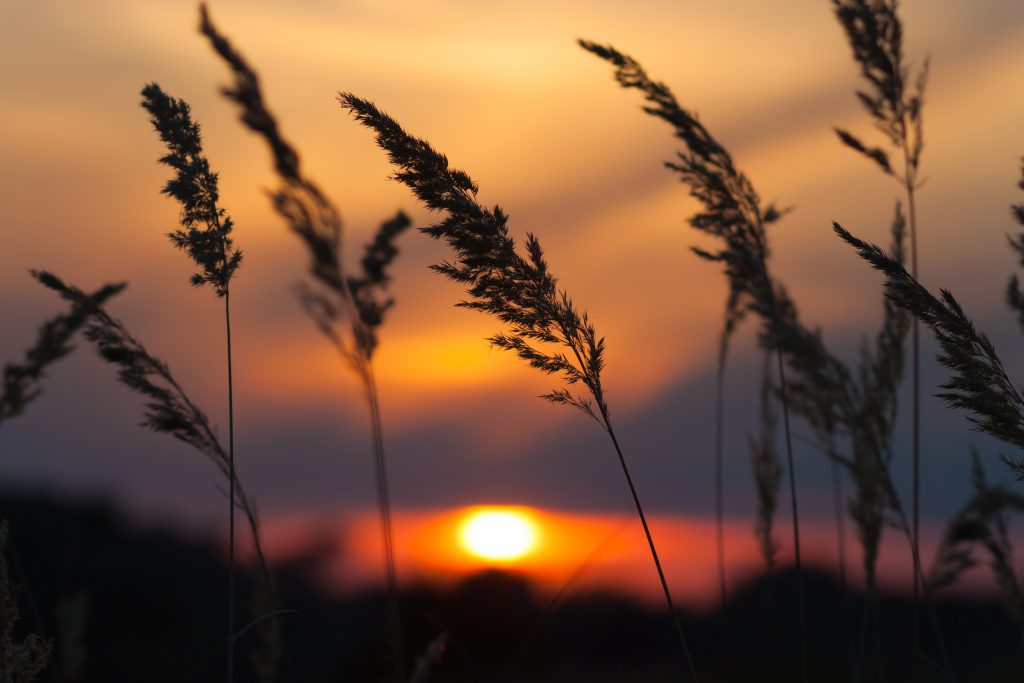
801	606
231	492
387	536
916	384
650	544
720	505
840	517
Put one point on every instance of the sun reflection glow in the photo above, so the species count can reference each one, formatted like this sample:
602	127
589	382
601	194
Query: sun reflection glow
498	534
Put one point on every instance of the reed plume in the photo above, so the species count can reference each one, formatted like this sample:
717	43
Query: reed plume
53	341
875	34
20	661
347	309
837	402
543	325
979	383
733	213
205	232
205	235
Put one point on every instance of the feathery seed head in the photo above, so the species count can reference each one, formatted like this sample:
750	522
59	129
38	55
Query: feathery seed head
515	287
205	233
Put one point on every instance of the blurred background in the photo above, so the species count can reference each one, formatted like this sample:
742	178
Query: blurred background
504	91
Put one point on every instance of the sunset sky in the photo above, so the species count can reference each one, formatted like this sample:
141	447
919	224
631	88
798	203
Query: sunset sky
503	90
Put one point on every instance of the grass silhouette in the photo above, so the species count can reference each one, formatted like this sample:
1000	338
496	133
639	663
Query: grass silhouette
53	341
733	213
210	246
858	404
979	383
544	327
850	407
875	33
168	408
348	310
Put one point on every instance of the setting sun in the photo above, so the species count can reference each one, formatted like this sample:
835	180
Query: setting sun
498	534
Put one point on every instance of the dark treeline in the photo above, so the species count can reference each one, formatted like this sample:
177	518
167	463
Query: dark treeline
129	603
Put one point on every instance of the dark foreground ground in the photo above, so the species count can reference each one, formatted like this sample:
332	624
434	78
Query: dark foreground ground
130	604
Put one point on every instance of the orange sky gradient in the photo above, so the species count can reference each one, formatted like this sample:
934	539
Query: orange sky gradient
502	89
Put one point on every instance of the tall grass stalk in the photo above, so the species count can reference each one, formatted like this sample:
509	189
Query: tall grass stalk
767	469
733	212
839	513
733	315
205	235
834	400
544	327
348	310
875	34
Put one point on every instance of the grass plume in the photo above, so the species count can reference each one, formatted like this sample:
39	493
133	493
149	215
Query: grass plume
53	341
543	326
205	235
205	231
859	404
875	33
733	213
347	309
979	384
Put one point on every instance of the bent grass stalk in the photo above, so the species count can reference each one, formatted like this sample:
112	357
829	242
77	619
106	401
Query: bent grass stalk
21	386
347	310
544	327
205	235
733	212
168	408
21	381
825	392
875	34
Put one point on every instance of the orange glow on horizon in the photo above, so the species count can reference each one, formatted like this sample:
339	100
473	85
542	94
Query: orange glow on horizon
575	552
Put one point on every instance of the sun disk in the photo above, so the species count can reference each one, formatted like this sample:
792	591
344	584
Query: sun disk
498	534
